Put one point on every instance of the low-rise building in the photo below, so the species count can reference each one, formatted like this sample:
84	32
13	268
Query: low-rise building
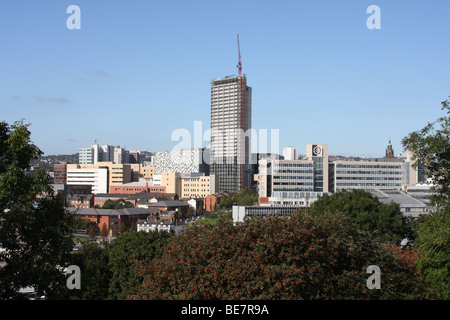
82	201
113	218
167	222
137	187
409	206
213	200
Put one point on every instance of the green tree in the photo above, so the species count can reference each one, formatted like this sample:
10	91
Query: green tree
35	229
430	147
384	221
104	231
245	197
95	274
127	249
117	204
301	257
109	204
433	241
226	202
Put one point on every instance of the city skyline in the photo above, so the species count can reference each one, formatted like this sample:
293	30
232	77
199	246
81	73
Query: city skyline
318	74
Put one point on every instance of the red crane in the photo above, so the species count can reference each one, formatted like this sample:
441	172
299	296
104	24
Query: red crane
239	65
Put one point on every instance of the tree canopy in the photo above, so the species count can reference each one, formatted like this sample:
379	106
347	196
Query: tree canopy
384	221
430	147
301	257
35	228
129	247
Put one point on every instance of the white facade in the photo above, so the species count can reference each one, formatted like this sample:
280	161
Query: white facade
97	178
290	153
369	175
160	226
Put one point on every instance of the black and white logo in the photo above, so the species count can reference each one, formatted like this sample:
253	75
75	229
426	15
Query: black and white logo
316	150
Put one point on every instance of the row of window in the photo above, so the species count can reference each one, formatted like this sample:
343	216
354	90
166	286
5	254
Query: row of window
292	178
342	184
368	166
292	165
368	178
367	172
292	171
282	189
293	184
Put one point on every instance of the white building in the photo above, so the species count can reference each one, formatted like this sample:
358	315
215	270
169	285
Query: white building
161	224
367	175
290	153
306	175
97	178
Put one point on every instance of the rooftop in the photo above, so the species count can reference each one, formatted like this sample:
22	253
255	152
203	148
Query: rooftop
402	199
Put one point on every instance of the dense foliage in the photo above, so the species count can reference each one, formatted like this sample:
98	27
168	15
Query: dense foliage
430	147
137	246
35	233
302	257
95	274
117	204
384	221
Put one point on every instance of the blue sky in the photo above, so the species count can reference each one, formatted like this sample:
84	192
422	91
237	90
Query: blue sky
138	70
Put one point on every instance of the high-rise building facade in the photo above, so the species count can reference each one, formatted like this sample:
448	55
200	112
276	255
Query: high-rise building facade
231	111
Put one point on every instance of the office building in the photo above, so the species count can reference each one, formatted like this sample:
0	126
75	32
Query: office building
117	174
305	175
96	178
170	180
106	153
60	173
197	186
382	173
231	107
